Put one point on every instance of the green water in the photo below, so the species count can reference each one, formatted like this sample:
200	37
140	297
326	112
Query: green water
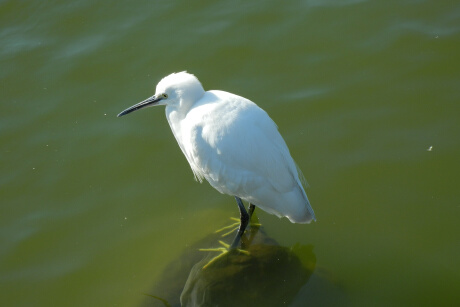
93	207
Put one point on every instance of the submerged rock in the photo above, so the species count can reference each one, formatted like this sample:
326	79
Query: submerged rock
270	275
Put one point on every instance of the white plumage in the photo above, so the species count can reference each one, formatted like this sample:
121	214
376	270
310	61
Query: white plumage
233	144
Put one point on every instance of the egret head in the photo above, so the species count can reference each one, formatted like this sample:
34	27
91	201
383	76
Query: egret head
179	90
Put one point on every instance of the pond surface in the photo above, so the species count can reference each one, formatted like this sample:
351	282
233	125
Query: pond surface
365	93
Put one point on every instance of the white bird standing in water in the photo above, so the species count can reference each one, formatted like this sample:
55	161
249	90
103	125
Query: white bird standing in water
235	146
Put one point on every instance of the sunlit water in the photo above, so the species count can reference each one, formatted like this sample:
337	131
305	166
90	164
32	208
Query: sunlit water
365	93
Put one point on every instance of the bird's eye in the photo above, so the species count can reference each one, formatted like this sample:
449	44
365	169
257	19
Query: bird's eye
165	95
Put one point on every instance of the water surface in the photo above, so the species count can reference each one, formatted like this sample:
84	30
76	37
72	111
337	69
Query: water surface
94	207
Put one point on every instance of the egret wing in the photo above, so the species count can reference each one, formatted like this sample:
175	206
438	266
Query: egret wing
241	149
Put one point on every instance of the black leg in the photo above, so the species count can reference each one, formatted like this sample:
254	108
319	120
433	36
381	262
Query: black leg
251	210
251	232
244	217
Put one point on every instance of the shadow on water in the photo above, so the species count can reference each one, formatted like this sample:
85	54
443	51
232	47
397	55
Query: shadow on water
269	275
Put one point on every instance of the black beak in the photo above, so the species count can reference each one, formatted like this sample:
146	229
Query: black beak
151	101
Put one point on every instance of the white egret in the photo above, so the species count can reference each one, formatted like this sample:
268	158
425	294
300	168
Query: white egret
233	144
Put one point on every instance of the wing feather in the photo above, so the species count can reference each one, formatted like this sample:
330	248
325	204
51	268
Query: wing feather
242	150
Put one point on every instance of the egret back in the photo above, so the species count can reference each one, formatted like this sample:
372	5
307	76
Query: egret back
236	147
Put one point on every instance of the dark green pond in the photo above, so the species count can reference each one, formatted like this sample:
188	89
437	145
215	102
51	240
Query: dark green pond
365	93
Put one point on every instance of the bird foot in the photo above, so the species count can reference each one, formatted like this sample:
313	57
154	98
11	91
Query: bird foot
224	250
233	227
